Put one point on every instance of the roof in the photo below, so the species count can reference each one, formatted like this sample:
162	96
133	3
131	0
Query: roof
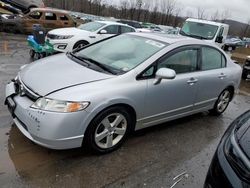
206	22
51	10
113	22
170	39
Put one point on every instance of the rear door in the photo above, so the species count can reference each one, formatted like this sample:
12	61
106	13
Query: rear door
64	20
213	77
50	21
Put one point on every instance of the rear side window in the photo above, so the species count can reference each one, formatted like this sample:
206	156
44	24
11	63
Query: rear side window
184	61
112	29
125	29
212	59
50	16
64	18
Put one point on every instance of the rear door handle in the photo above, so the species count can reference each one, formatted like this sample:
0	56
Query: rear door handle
192	81
222	76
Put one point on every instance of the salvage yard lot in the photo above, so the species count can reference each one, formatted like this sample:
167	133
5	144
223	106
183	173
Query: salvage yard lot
149	158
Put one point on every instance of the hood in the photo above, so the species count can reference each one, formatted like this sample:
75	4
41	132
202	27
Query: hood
69	31
57	72
244	138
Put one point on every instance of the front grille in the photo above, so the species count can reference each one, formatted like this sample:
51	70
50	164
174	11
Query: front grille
51	36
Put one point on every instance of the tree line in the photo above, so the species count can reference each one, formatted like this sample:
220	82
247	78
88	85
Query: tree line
161	12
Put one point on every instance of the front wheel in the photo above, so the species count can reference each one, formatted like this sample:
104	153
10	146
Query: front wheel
222	102
108	130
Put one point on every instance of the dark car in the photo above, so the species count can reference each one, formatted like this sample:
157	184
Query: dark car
25	5
246	68
134	24
230	166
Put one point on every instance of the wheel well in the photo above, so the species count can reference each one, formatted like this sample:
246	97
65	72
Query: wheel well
80	41
231	89
130	110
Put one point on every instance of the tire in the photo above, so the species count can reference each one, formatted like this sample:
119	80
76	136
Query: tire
37	56
80	44
103	136
244	74
32	53
222	102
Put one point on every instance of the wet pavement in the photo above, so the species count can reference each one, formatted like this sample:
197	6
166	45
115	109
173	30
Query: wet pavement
149	158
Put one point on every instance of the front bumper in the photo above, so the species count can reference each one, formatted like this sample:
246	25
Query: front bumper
61	45
49	129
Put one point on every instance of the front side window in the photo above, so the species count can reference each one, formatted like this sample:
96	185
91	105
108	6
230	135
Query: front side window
123	52
112	29
35	15
212	59
184	61
91	26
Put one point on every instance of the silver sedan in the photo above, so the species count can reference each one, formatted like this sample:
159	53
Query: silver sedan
98	94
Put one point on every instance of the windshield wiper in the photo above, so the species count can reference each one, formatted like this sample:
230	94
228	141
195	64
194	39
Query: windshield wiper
78	58
192	35
102	66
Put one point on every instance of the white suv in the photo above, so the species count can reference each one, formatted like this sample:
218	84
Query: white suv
68	39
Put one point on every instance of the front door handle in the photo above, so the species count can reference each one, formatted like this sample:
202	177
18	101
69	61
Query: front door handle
192	81
222	76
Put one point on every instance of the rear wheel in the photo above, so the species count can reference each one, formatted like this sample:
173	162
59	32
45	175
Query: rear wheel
37	56
32	53
108	130
222	102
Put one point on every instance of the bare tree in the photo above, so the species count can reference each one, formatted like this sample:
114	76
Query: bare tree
201	13
139	8
132	8
225	15
146	7
215	16
246	29
124	8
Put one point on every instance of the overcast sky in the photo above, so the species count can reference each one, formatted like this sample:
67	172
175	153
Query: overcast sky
238	9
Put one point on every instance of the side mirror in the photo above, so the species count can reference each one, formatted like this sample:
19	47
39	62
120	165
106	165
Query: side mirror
103	31
219	39
164	73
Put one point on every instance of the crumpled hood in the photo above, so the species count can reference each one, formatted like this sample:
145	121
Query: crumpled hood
57	72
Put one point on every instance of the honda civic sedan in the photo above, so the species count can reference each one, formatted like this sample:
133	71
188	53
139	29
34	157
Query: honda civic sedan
97	95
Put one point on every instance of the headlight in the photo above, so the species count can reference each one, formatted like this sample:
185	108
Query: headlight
63	36
59	106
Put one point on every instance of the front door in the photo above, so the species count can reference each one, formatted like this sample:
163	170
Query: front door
173	98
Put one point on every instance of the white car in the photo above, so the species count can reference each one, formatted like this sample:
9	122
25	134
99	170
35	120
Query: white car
68	39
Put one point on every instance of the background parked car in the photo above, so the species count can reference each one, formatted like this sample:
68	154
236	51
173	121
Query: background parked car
231	162
67	39
9	8
47	17
246	68
233	43
26	5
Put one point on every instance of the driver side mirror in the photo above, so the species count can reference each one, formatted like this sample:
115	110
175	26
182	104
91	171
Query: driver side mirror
164	73
219	39
103	31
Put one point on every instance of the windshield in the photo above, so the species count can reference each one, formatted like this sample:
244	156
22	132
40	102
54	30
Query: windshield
122	53
91	26
194	29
